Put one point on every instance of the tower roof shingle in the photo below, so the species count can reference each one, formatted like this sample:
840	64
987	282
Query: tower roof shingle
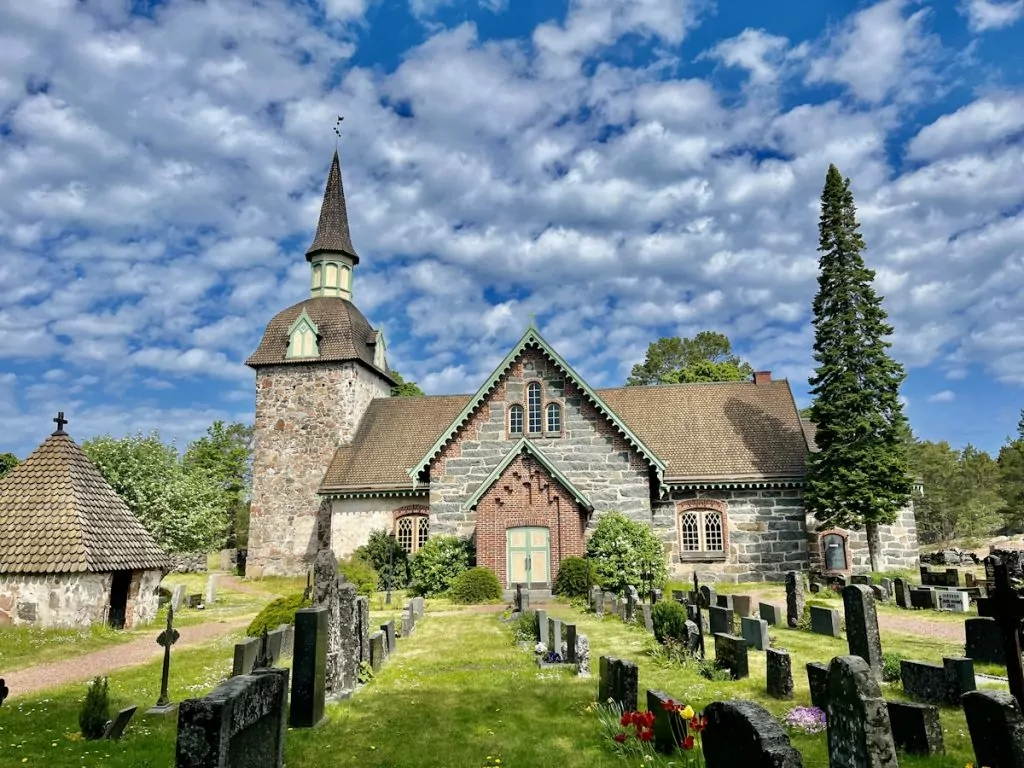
332	233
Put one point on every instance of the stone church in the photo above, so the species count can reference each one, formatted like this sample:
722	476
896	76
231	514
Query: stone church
529	462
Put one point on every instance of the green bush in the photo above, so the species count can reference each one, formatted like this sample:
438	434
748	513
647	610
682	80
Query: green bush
669	619
891	667
360	573
385	554
576	576
620	548
276	613
709	670
477	585
437	563
95	712
523	629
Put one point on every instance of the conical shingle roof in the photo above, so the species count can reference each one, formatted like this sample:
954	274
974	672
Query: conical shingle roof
58	515
332	231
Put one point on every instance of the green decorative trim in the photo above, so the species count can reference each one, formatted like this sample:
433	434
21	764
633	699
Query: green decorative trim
528	446
532	338
303	319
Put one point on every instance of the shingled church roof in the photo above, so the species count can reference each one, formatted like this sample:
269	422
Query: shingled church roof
58	515
332	233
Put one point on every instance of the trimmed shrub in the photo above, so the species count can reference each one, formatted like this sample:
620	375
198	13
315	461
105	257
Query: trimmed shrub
576	575
620	548
437	563
384	553
95	712
360	573
477	585
669	619
276	613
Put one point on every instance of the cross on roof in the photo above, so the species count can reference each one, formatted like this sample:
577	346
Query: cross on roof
60	421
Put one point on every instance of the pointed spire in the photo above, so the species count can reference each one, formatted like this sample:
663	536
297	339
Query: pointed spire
332	232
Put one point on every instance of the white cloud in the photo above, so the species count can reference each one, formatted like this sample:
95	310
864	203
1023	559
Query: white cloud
979	125
945	396
983	15
755	50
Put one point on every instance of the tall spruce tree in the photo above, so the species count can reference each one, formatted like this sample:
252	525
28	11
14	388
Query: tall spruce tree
860	476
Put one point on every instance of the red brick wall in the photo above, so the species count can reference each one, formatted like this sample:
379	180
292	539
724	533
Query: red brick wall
527	495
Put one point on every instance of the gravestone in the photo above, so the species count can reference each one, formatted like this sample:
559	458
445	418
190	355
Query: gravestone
627	679
632	601
287	639
239	724
245	656
996	726
115	728
211	589
363	627
679	596
693	637
582	656
669	727
555	636
611	603
177	597
708	598
725	601
948	578
902	592
887	585
953	600
779	674
938	684
540	626
772	613
377	652
195	601
605	678
922	597
742	733
880	592
419	607
408	621
597	600
755	632
859	733
645	611
814	587
275	644
861	578
731	654
1006	606
166	639
817	681
794	598
656	596
390	640
916	728
570	644
741	605
521	598
347	644
862	626
984	641
825	621
309	667
720	620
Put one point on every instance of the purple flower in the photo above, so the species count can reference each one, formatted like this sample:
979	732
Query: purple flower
807	719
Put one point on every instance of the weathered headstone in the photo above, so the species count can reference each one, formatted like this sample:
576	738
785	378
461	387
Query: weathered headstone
679	596
597	600
115	728
363	627
211	589
902	592
309	667
825	621
794	598
669	727
388	628
725	601
862	626
419	607
916	728
720	620
708	598
693	637
240	724
555	636
772	613
540	626
880	592
755	632
611	604
347	645
605	678
742	733
408	621
632	601
741	604
779	674
1006	606
245	656
166	639
195	601
648	620
938	684
582	656
287	639
817	681
859	733
377	652
996	725
569	644
177	597
656	595
627	679
953	600
984	641
731	654
887	585
922	597
861	578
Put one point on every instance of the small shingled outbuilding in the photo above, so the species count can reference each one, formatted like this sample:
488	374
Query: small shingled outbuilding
72	553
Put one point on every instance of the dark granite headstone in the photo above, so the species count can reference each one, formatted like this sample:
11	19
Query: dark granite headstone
922	597
861	578
569	657
708	597
938	684
862	626
692	637
725	601
825	621
859	733
194	601
794	598
741	604
817	681
779	674
605	678
388	628
742	733
772	613
115	728
377	653
984	641
239	724
996	726
720	620
245	656
755	632
731	654
275	643
669	727
902	592
916	728
627	679
679	596
309	666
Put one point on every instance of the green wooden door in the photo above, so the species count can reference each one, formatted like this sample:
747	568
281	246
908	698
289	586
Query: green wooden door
529	557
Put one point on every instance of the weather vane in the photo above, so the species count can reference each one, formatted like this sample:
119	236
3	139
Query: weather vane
337	129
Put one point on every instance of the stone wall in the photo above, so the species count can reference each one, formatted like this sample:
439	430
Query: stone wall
303	413
73	600
188	562
588	451
766	534
352	520
899	548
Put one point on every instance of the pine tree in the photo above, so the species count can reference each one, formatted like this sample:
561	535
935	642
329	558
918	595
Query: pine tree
860	476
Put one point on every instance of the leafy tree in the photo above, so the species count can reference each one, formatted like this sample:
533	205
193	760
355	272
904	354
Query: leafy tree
386	556
405	388
706	357
1011	479
860	476
805	413
224	456
183	510
620	549
938	466
438	562
8	461
979	501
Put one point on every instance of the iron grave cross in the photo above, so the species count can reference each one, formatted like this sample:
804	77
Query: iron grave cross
1007	607
60	421
700	620
167	638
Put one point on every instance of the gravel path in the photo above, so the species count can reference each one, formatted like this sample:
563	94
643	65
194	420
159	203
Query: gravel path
131	654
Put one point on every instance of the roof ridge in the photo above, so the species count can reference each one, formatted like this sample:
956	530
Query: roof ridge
682	384
71	451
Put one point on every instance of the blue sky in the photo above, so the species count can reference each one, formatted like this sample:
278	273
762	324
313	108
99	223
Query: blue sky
624	169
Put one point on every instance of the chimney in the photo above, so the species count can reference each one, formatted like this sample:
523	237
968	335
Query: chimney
762	377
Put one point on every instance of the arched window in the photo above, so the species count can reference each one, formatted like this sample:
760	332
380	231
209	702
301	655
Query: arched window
515	420
833	551
554	418
534	406
702	533
412	532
